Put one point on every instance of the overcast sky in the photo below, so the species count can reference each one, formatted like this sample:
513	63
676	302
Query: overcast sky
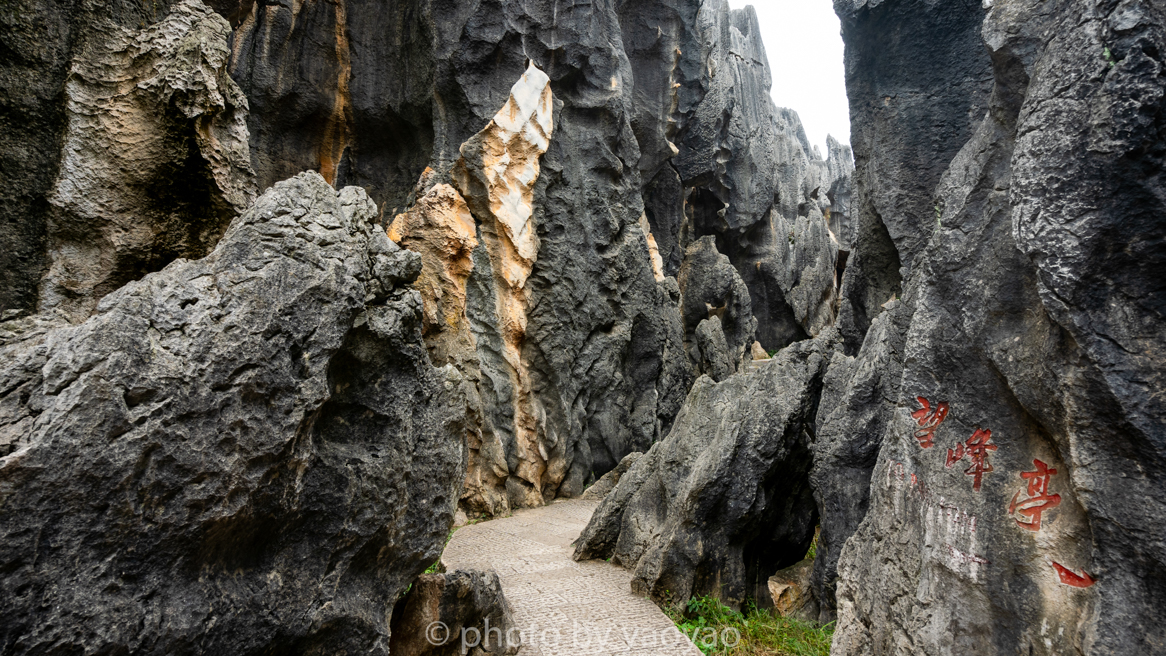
804	44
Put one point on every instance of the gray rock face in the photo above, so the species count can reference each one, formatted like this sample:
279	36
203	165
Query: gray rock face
1015	503
344	88
606	484
710	288
469	601
918	78
718	159
241	454
913	105
724	501
154	163
124	147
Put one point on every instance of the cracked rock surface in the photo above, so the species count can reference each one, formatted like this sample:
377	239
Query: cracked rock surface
1015	476
244	453
724	501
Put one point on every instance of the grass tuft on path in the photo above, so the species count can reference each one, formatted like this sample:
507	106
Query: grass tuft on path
711	626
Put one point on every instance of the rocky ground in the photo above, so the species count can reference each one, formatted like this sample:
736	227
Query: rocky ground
285	285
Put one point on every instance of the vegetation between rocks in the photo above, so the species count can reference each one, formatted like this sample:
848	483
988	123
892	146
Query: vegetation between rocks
762	633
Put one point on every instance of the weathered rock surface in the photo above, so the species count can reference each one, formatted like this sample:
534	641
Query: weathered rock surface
724	501
247	453
580	367
606	483
379	95
441	230
710	288
916	95
344	88
714	358
462	601
914	103
152	157
39	40
1011	397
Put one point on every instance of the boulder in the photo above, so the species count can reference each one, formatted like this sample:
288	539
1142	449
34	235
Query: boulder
724	501
714	356
454	614
790	590
240	454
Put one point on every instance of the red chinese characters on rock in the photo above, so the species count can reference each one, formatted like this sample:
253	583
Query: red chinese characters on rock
1037	500
976	449
929	420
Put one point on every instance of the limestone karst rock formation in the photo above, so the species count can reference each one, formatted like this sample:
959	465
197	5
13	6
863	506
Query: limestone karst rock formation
148	151
1005	415
529	154
578	359
724	501
611	221
245	453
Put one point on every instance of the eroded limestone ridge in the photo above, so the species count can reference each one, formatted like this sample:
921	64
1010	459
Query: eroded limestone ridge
496	174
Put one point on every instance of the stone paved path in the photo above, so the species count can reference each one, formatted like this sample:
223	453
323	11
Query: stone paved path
564	608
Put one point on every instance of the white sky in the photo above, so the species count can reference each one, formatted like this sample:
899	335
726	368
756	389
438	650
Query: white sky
804	43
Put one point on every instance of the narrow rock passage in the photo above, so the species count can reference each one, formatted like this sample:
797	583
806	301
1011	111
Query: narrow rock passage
564	608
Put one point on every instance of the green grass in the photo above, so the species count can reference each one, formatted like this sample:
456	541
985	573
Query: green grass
762	633
713	627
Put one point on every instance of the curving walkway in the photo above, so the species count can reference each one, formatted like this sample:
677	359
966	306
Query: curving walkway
564	608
